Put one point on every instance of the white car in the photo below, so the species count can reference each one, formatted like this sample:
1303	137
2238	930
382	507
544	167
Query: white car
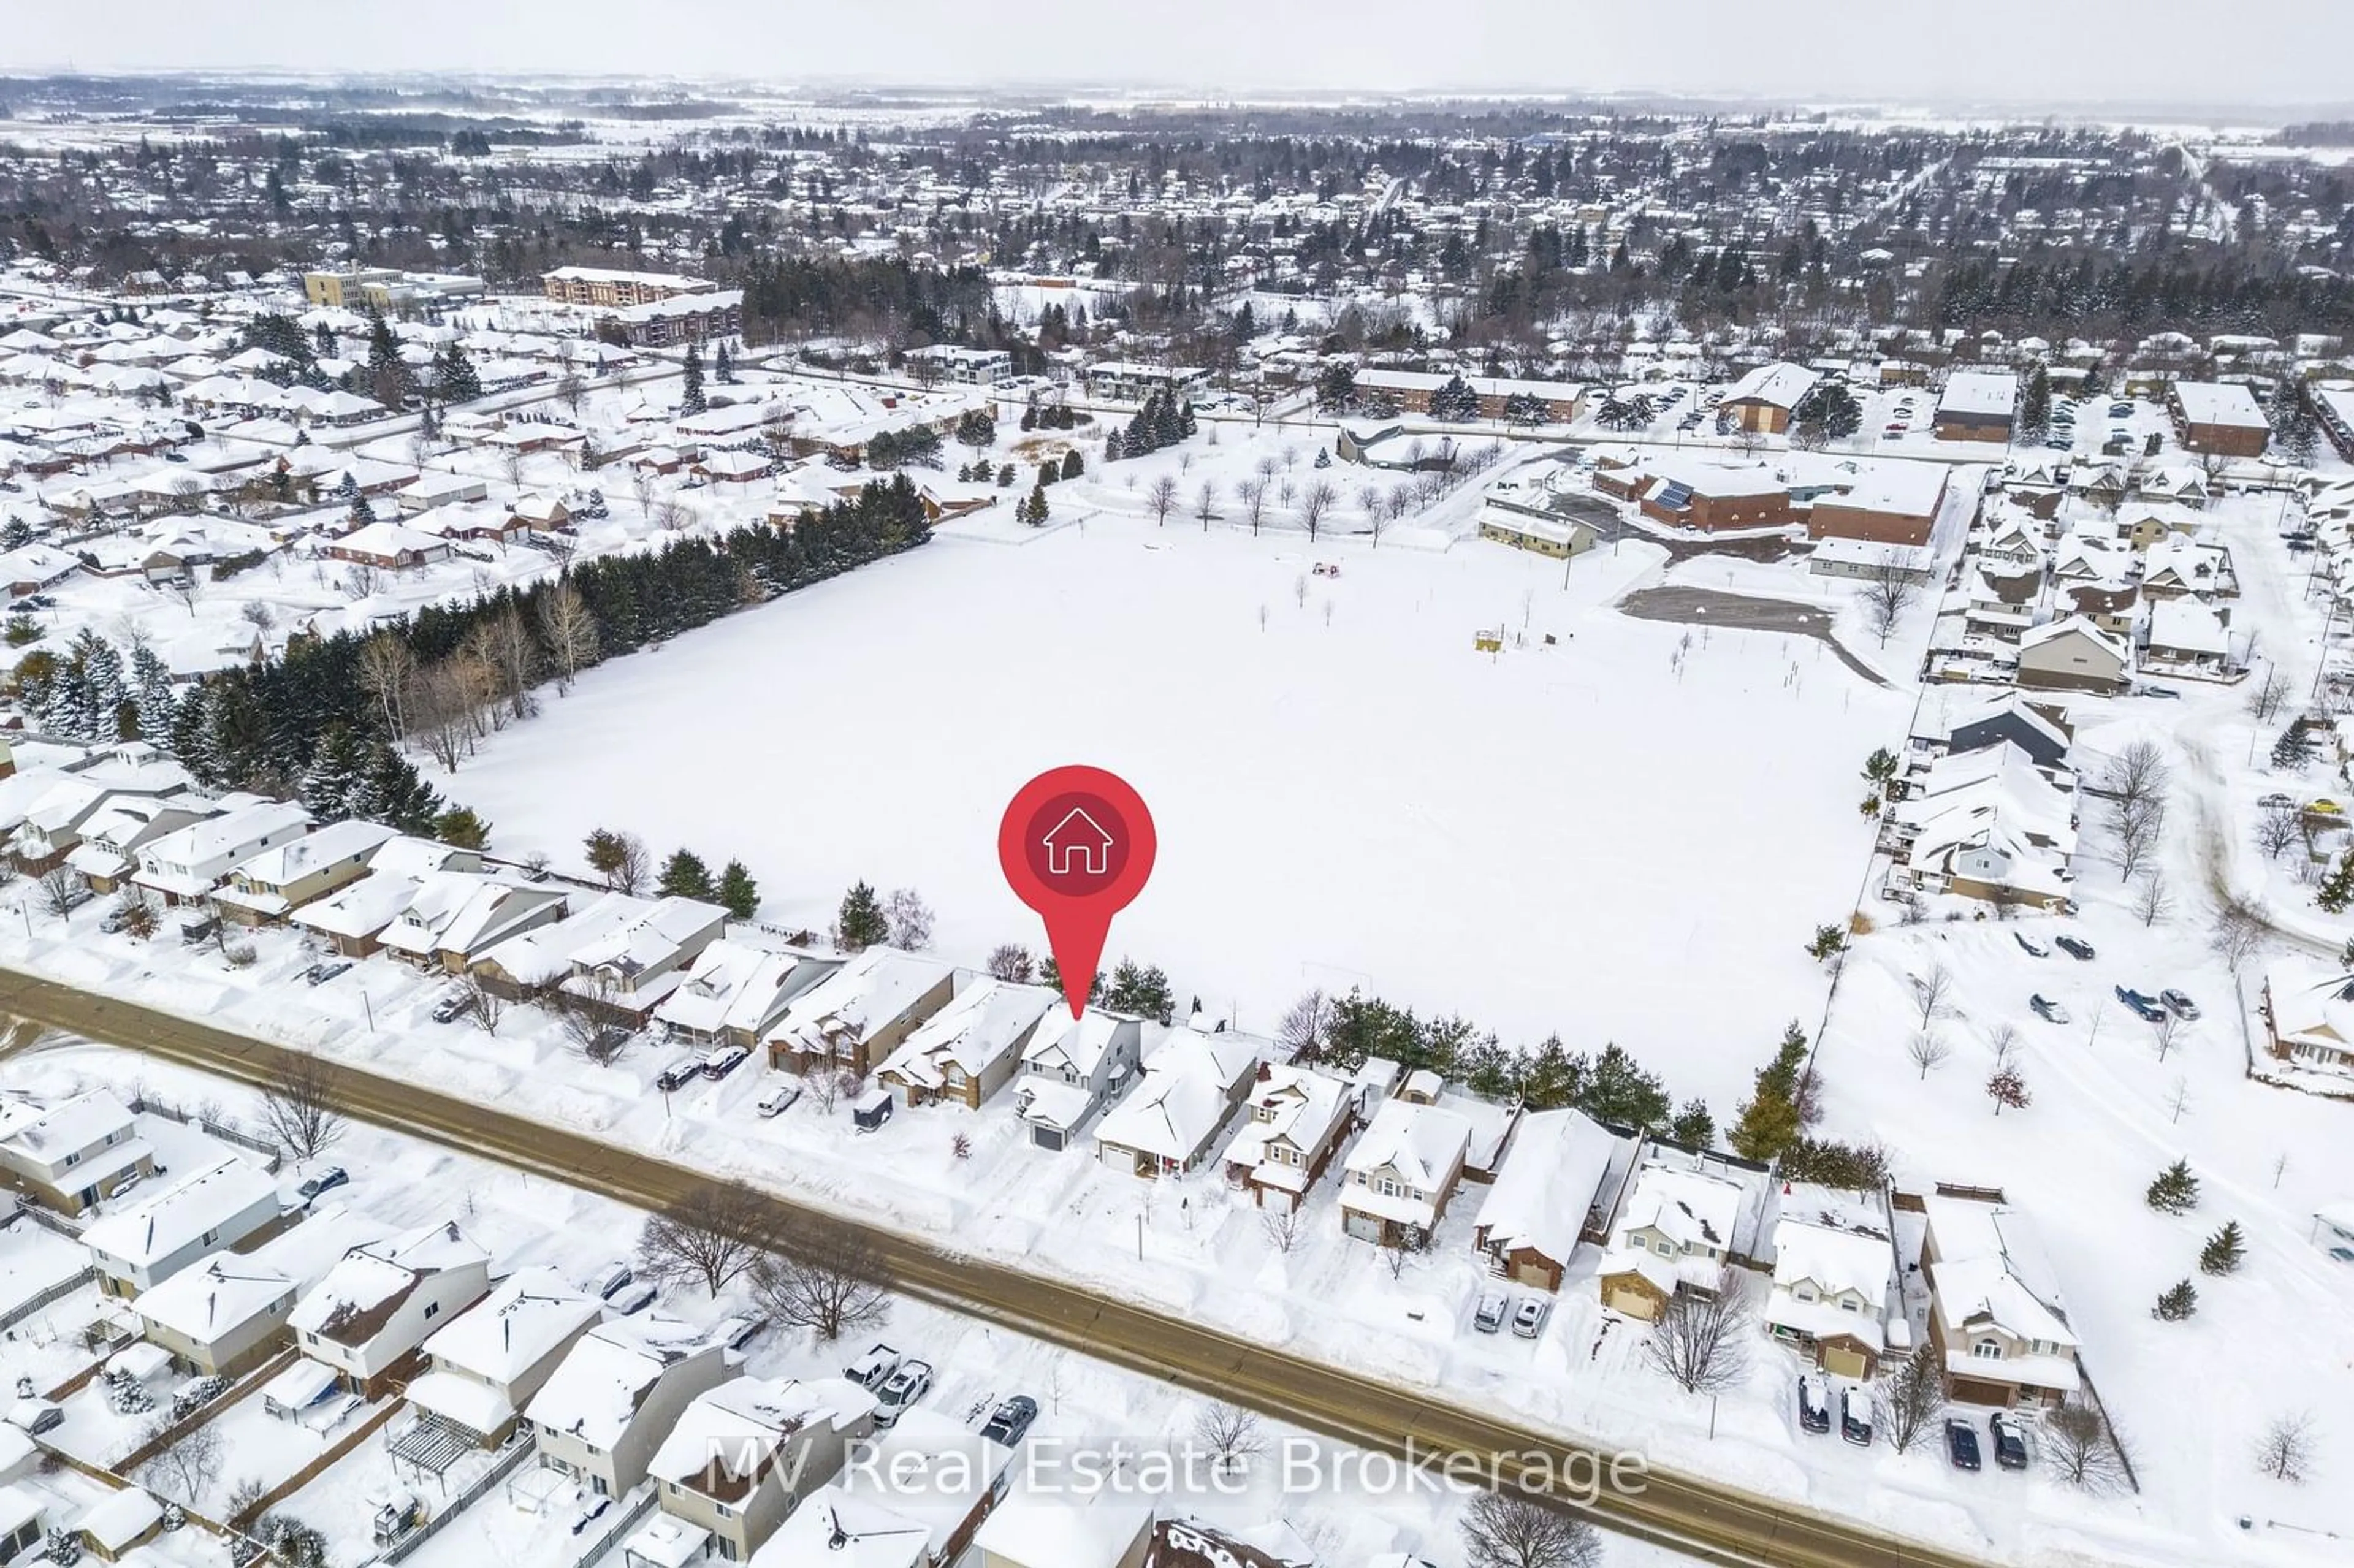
900	1390
1530	1320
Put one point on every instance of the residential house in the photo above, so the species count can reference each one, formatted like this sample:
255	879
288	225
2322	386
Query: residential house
1169	1124
367	1317
186	865
970	1048
613	1399
1299	1118
74	1153
272	884
1762	401
388	547
489	1361
2073	655
1557	1186
222	1316
1987	824
1994	1313
355	916
1397	1179
454	919
745	1453
737	993
2186	637
2112	608
965	1477
626	972
541	513
1071	1068
2221	418
137	1248
1684	1218
2181	484
858	1015
106	855
1191	1543
1999	604
2308	1013
2176	565
1555	536
2040	730
1834	1274
1104	1529
843	1528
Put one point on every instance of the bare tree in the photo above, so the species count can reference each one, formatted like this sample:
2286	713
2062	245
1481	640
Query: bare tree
1205	504
673	517
1011	962
2003	1040
2277	828
510	465
2286	1450
1933	993
1699	1338
1909	1400
2239	928
1283	1226
1888	593
1229	1433
1252	493
1162	497
186	1469
708	1237
1518	1529
2167	1031
1928	1051
361	578
386	670
2178	1098
2137	780
2151	902
1369	502
61	890
1314	502
642	489
2079	1448
910	919
571	391
825	1276
1302	1033
258	615
569	632
2266	700
619	857
587	1015
188	587
299	1106
483	1004
825	1087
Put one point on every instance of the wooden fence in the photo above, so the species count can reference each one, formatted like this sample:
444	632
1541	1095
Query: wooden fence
55	1293
245	1518
171	1433
504	1467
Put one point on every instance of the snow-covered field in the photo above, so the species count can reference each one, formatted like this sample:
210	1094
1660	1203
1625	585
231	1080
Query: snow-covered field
1559	837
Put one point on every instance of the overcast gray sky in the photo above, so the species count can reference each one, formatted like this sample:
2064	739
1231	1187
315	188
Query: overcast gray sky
2061	52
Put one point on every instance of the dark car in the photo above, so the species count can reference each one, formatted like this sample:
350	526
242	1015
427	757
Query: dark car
678	1075
453	1006
320	974
2031	947
1813	1405
175	457
2044	1008
1961	1444
326	1180
2146	1008
2009	1442
2075	947
1010	1420
2178	1003
1855	1418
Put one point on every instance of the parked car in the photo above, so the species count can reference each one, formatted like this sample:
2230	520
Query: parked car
678	1074
453	1006
724	1061
2276	801
1813	1405
1855	1418
632	1299
869	1370
738	1329
2010	1441
607	1280
2178	1003
326	1180
320	974
1530	1320
1010	1420
199	928
2044	1008
1494	1307
2342	1254
114	919
2075	947
901	1390
2144	1007
175	457
2033	949
1961	1444
781	1098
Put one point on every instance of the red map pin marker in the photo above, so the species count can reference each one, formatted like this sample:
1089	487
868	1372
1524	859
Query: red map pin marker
1077	846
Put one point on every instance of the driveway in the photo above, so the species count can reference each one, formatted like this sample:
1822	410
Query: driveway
1709	607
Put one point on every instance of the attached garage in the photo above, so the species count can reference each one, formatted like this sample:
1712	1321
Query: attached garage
1633	1296
1845	1361
1044	1136
1978	1391
1361	1226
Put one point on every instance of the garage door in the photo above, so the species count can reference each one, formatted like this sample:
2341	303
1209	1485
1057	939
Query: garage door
1842	1363
1363	1226
1973	1391
1046	1137
1631	1301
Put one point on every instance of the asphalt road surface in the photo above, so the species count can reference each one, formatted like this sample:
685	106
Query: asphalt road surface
1741	612
1708	1521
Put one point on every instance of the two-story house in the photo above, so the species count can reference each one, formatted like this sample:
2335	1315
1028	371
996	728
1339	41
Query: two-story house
629	970
1835	1278
1684	1218
856	1016
1071	1069
222	1316
355	916
454	919
370	1313
106	856
1397	1179
137	1248
613	1400
75	1153
185	866
1298	1119
490	1360
968	1049
267	888
1556	1186
1170	1123
737	993
743	1455
1994	1313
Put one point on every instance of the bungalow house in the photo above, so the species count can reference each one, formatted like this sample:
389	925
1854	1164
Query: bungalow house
541	513
434	489
607	1407
2308	1013
2182	485
970	1048
1397	1178
858	1015
1107	1527
1168	1124
1555	536
737	993
390	547
139	1248
734	465
2146	522
1683	1219
1995	1312
479	520
2040	730
2073	655
1987	824
1071	1068
367	1317
72	1154
2186	637
743	1455
1762	401
1298	1118
186	865
222	1316
627	970
267	887
29	569
1556	1186
456	917
57	804
1835	1273
489	1361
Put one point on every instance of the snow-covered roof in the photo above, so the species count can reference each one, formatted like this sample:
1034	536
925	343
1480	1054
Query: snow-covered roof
1980	394
868	992
843	1529
1079	1042
1780	385
1548	1183
1990	1268
596	1392
978	1027
513	1329
357	1296
736	985
1422	1143
297	858
1296	1104
1042	1531
215	1296
115	1521
1186	1094
44	1134
748	1418
2186	625
2222	403
172	1219
477	1406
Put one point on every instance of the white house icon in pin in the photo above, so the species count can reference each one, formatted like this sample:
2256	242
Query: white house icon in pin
1077	846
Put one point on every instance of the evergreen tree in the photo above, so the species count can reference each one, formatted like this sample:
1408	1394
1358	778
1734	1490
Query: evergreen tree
1115	445
1693	1126
1615	1088
323	338
2177	1302
683	875
455	379
2295	750
2174	1190
2224	1251
723	365
150	681
391	791
329	785
1072	466
2035	406
1549	1075
1038	509
1005	477
1455	402
1050	977
16	533
1771	1119
2337	889
1141	990
738	891
862	922
690	384
460	826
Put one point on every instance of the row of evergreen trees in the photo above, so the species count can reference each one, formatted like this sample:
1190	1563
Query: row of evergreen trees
1163	421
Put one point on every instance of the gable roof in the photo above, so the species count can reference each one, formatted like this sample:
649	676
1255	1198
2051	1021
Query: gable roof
1548	1183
